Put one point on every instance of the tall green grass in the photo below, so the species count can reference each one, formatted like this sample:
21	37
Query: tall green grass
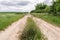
7	19
55	20
31	32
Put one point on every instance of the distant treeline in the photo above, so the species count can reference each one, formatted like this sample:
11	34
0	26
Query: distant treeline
52	9
13	12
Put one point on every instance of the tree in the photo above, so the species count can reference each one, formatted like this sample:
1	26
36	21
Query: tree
57	0
40	6
56	7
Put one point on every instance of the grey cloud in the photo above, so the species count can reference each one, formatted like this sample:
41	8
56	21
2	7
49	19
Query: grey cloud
48	2
21	3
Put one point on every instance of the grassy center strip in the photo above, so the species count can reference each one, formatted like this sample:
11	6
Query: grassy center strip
31	32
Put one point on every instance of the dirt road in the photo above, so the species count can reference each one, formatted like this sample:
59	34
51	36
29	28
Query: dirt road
50	31
14	30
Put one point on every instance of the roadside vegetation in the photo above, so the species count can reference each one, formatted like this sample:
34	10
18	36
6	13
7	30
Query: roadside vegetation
50	13
8	18
55	20
32	32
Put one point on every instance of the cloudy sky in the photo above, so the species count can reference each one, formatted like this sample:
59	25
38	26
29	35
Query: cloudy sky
20	5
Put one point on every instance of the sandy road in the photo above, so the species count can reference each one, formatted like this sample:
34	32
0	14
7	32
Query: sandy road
50	31
14	30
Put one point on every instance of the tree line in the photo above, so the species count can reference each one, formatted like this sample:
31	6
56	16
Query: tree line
53	9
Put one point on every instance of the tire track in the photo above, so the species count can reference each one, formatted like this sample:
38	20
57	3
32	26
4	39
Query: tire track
50	31
14	30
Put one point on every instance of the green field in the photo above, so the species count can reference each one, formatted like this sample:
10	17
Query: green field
32	32
55	20
8	18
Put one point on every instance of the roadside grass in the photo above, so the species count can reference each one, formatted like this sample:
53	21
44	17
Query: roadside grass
55	20
32	32
7	19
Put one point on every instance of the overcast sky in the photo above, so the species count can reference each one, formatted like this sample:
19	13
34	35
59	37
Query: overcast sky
20	5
